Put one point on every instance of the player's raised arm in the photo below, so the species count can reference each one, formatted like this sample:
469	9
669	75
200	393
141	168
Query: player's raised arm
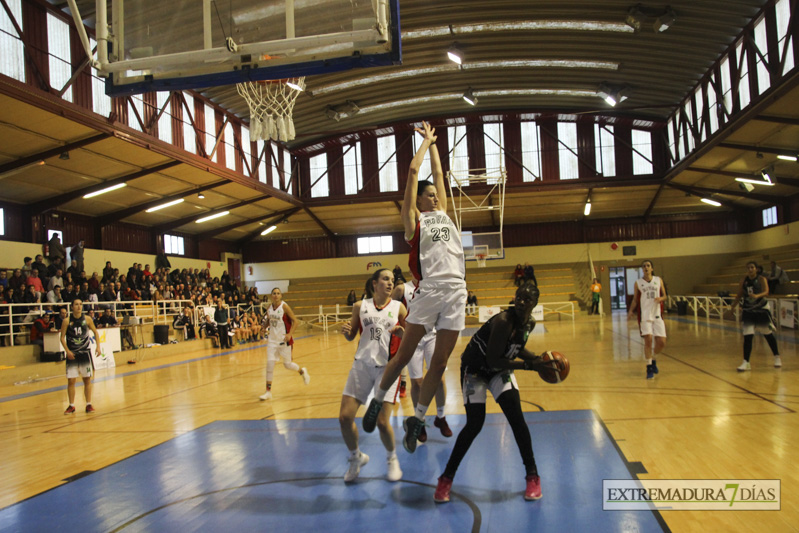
409	212
438	177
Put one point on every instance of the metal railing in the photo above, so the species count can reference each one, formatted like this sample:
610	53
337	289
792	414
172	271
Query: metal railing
17	319
718	306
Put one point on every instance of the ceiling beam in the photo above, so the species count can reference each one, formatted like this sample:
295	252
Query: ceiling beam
791	182
754	148
169	226
695	192
224	229
704	191
778	120
52	203
47	154
321	224
116	216
275	221
651	206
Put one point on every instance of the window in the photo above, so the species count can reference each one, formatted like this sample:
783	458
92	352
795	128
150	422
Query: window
605	148
387	162
135	103
319	184
246	148
52	232
770	216
210	131
271	156
531	151
567	150
353	174
459	153
12	51
726	83
173	245
101	104
2	221
699	102
375	245
672	139
230	147
189	135
425	171
763	75
712	108
60	58
743	73
784	40
689	134
165	120
287	170
642	152
494	144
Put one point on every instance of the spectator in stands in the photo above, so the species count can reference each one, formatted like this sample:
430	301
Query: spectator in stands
351	298
398	277
27	267
83	292
57	264
73	270
162	261
69	293
777	276
56	249
209	330
3	280
94	282
58	320
186	323
146	272
518	275
108	272
54	295
107	319
471	303
596	290
76	254
35	282
56	280
17	280
32	296
40	326
39	265
529	273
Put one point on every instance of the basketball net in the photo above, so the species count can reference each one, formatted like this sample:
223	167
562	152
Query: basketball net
271	105
481	260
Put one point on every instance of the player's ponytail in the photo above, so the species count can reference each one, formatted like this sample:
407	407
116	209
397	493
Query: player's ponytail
370	290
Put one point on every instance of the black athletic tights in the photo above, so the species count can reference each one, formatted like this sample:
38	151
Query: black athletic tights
475	416
772	343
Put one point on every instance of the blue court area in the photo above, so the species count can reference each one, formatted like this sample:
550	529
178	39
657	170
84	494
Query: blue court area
272	475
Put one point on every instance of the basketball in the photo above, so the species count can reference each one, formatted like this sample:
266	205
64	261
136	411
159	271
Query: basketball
552	375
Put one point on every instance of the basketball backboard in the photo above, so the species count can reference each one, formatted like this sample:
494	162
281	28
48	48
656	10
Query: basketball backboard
184	44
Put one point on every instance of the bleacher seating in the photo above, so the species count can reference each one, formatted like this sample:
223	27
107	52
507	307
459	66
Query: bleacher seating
729	277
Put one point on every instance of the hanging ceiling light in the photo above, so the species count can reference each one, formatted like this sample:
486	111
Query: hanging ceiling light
587	210
103	191
163	206
711	202
269	230
613	94
635	18
211	217
469	96
665	21
755	182
455	54
787	157
200	196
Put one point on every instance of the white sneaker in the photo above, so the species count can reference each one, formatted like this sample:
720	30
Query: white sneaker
306	377
777	361
356	462
266	396
745	366
394	473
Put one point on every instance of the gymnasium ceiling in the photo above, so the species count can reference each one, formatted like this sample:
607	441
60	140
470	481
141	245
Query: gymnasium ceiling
660	69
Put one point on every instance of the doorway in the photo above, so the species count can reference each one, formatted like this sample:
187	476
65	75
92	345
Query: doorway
618	288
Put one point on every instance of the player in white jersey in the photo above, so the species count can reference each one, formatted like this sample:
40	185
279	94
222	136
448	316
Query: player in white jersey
404	292
650	293
280	342
436	260
377	317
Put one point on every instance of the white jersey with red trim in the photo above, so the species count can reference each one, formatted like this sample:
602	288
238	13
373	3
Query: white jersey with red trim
436	250
648	308
279	325
373	346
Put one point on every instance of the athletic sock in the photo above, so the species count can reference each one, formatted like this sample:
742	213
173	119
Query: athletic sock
649	361
355	453
72	405
380	395
391	454
421	410
439	412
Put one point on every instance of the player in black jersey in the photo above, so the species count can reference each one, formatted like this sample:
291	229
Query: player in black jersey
487	364
755	315
76	342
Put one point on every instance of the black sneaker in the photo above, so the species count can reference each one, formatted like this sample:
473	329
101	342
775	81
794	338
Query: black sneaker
412	427
654	366
650	374
370	416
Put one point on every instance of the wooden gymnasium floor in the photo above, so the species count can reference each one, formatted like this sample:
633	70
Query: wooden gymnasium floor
184	443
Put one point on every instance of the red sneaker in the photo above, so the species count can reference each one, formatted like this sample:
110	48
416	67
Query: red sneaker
441	423
422	435
533	491
442	490
89	408
70	410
